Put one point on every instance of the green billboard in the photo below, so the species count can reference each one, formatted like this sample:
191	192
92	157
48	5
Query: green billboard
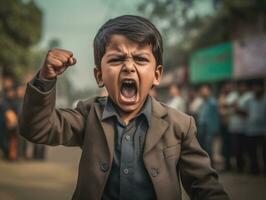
212	64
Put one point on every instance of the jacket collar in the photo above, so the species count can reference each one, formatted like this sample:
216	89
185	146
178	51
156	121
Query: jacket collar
155	131
110	110
158	126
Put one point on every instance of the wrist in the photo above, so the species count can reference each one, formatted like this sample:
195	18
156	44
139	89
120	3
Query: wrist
42	75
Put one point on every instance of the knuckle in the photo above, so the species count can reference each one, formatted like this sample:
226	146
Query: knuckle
69	53
50	53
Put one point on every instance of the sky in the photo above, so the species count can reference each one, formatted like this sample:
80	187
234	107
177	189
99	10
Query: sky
75	24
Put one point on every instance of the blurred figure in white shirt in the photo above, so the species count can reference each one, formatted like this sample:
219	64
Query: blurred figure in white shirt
238	122
194	102
256	129
176	101
224	113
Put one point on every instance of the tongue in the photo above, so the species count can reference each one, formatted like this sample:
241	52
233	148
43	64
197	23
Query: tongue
128	92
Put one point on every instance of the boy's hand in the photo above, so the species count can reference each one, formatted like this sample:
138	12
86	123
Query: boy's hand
56	62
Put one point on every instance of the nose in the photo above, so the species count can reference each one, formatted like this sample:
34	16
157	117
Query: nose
128	66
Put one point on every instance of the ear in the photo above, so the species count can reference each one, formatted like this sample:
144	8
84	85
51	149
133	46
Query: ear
98	77
158	74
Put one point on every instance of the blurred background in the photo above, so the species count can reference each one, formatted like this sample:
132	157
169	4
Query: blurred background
215	70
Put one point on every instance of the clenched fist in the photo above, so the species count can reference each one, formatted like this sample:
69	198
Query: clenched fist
56	62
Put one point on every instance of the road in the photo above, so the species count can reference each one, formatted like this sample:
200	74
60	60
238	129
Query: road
55	178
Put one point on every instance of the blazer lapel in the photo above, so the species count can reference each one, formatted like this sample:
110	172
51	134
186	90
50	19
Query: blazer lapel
157	126
108	129
156	130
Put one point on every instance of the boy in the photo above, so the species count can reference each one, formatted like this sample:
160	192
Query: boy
133	147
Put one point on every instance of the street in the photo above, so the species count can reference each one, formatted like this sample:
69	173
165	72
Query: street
55	178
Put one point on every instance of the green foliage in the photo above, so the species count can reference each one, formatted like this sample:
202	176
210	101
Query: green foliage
177	20
187	25
20	29
170	16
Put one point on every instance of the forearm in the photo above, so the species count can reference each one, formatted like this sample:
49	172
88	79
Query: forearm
35	117
40	122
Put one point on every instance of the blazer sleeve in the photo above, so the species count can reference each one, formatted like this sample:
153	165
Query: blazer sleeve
198	178
40	122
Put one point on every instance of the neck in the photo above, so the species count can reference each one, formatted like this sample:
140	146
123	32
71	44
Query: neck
127	116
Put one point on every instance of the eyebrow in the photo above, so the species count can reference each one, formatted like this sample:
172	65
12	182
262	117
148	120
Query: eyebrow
118	54
141	54
121	54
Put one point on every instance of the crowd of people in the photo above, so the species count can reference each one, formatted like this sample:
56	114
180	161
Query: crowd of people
14	147
236	115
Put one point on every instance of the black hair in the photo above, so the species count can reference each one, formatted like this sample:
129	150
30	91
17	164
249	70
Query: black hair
135	28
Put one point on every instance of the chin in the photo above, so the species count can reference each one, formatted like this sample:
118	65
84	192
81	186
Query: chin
128	108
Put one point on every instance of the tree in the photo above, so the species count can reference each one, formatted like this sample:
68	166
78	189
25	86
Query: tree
177	20
234	19
186	28
20	29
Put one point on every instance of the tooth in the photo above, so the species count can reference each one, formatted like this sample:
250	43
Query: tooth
128	81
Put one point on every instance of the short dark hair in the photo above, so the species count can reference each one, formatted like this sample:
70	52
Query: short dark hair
135	28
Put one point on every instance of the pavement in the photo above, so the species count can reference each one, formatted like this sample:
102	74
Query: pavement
55	178
52	179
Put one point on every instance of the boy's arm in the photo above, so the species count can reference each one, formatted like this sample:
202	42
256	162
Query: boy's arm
41	123
198	178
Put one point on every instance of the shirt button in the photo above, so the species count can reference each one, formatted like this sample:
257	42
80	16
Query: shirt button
154	172
125	171
127	137
104	167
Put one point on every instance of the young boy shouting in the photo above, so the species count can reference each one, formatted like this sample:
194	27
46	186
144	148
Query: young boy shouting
133	147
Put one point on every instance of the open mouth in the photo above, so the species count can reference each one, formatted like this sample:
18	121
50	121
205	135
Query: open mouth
128	90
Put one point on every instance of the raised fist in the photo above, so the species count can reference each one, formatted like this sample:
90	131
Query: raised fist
56	62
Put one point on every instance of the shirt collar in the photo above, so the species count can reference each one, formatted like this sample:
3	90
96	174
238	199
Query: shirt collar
111	111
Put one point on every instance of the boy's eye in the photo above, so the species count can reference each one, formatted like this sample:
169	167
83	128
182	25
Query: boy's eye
141	60
116	60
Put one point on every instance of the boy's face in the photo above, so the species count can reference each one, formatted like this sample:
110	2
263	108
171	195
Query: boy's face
173	91
128	71
205	92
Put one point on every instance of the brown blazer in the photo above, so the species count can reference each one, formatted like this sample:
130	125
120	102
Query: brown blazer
172	153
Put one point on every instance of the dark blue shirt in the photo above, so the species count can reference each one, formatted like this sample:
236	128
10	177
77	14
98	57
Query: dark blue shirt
128	179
